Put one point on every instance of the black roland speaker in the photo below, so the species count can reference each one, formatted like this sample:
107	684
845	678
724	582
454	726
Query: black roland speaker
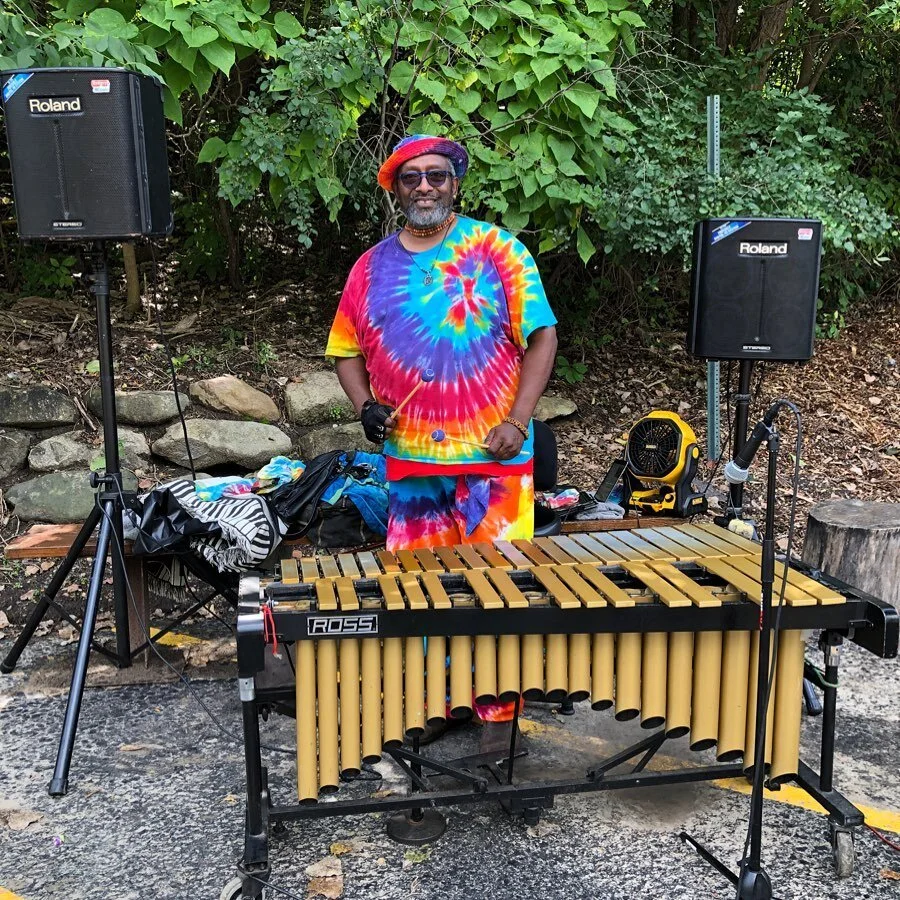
87	153
754	288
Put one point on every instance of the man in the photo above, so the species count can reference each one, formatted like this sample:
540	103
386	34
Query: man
450	316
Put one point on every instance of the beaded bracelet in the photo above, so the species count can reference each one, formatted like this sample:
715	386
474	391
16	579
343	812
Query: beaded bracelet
517	424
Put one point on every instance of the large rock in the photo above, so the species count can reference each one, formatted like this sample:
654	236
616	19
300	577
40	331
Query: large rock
62	451
334	437
217	441
317	399
230	394
142	407
58	498
36	407
13	450
551	406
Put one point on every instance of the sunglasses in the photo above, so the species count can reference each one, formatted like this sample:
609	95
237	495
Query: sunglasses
435	177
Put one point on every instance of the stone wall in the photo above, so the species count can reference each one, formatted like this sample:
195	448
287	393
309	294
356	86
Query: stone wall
47	449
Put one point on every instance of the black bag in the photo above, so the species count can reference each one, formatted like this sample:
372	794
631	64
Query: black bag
340	524
298	503
165	527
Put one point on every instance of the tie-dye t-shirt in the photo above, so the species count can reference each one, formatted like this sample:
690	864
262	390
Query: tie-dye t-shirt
469	327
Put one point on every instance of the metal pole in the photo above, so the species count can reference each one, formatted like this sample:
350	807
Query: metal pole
713	442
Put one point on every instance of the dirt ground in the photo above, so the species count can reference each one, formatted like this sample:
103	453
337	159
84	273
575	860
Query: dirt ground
848	393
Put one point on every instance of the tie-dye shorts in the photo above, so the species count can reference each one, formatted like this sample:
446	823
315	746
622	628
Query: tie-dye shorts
443	510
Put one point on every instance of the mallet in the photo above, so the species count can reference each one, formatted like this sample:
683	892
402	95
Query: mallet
439	436
427	375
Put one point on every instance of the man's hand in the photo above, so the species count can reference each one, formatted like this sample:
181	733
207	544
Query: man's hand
505	441
376	421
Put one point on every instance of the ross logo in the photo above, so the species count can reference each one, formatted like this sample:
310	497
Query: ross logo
43	105
341	626
763	248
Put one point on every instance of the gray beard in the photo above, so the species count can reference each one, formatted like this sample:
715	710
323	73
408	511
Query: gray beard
428	218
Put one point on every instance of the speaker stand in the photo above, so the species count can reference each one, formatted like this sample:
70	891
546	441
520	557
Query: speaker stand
741	422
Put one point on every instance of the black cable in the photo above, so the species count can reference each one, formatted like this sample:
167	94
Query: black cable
776	626
165	343
152	644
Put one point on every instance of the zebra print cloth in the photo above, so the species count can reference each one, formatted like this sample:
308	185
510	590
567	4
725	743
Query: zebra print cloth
250	528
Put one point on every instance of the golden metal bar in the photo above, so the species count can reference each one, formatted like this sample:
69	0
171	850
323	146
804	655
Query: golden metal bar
307	737
793	595
460	676
557	660
393	692
407	561
485	669
601	553
603	667
787	701
654	663
667	593
698	594
485	596
560	594
350	706
711	539
325	597
628	676
534	553
532	666
678	683
371	699
452	562
610	540
579	667
751	589
327	690
581	588
707	682
508	665
516	557
553	550
574	549
428	561
607	588
645	548
330	568
414	672
436	680
494	558
436	593
289	573
309	569
512	596
348	565
733	697
703	551
677	552
468	555
824	595
368	564
414	596
388	562
723	534
390	590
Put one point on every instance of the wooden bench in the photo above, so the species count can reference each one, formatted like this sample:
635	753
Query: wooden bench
54	541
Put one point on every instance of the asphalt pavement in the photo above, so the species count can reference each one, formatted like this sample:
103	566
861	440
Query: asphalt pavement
156	802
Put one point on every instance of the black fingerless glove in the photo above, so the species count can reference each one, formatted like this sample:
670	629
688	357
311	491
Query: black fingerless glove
373	417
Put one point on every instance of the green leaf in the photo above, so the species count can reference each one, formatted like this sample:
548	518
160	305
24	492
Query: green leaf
276	189
172	106
486	17
585	246
542	66
401	76
109	22
632	18
287	25
468	101
214	148
220	55
201	35
92	367
260	7
185	56
329	188
521	8
584	97
176	77
432	89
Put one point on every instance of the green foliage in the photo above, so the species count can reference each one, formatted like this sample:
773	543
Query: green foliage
529	86
42	272
570	372
182	42
202	248
780	156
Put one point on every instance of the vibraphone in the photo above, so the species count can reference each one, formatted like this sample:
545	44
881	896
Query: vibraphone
661	624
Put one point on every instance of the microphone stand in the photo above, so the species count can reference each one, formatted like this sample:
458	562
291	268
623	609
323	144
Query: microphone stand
753	882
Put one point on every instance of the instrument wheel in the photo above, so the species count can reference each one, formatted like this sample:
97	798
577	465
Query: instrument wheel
844	853
232	890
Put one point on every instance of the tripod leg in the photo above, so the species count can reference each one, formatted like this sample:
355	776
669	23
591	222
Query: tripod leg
59	784
49	593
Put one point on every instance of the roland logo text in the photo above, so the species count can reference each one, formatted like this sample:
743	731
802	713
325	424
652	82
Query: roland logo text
763	248
44	105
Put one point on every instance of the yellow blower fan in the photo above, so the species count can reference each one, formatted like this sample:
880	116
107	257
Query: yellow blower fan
661	455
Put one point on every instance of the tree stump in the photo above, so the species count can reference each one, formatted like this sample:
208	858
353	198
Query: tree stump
858	542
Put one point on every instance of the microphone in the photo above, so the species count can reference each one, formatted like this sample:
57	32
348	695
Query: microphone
737	469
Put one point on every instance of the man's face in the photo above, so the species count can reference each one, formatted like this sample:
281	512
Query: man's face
426	205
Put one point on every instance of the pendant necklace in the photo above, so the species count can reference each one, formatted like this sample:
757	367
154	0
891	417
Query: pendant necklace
428	274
